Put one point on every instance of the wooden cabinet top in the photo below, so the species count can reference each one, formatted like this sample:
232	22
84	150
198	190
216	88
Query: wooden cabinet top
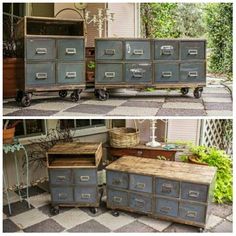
165	169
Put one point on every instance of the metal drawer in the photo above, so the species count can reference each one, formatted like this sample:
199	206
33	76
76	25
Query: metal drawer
140	203
40	49
192	50
138	50
60	176
85	194
117	198
195	192
62	194
117	179
70	49
166	72
166	207
40	73
108	50
167	187
192	212
140	183
166	50
138	73
192	72
85	176
108	73
70	73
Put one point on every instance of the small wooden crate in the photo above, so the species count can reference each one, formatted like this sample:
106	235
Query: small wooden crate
73	174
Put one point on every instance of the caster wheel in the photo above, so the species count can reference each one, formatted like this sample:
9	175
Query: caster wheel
103	95
26	101
54	211
184	91
201	230
62	93
115	213
19	96
197	92
75	97
96	93
93	210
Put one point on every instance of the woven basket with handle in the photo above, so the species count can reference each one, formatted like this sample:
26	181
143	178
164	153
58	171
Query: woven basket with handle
124	137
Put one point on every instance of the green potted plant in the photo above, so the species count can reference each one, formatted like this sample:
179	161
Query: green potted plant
90	72
213	156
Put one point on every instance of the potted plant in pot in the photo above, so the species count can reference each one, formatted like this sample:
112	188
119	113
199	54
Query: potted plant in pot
90	72
9	131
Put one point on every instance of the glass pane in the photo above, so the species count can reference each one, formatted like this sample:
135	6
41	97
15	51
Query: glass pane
19	131
34	126
82	123
67	124
98	122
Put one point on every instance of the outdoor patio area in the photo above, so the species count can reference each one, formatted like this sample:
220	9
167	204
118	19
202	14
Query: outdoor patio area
216	100
39	219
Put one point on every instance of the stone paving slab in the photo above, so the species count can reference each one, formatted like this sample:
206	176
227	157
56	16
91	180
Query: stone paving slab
180	228
219	100
149	104
213	221
32	112
136	226
224	227
109	102
57	106
88	108
181	105
218	106
158	225
219	113
181	112
133	111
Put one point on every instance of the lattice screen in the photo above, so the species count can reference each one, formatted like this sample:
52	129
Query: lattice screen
214	134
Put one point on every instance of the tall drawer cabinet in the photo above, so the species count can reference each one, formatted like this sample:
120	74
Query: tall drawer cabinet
179	192
142	63
72	169
53	57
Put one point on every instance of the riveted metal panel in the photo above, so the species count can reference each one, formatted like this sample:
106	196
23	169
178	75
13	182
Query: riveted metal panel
192	72
192	50
167	187
140	183
85	176
166	50
117	179
117	198
140	203
167	207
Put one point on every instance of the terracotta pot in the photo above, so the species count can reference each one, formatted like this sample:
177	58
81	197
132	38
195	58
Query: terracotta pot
195	160
8	135
90	76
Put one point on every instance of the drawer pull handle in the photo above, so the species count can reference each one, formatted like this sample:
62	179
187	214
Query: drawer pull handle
166	188
140	185
193	194
84	178
192	52
165	209
85	195
138	74
110	74
61	178
41	76
116	181
62	196
117	199
128	48
167	50
138	52
71	75
41	51
166	74
193	74
110	52
191	214
139	203
70	51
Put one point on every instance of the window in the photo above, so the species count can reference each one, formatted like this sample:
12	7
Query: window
84	126
29	128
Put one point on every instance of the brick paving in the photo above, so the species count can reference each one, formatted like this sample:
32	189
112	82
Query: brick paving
39	219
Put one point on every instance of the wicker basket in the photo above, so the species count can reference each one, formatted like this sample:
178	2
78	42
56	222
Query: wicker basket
124	137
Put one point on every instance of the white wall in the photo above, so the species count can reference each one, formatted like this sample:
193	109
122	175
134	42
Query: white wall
183	130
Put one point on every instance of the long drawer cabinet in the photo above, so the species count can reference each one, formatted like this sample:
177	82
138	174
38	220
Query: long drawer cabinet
180	192
53	57
142	63
72	171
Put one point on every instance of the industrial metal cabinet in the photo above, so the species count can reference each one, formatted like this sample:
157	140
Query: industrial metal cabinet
175	191
53	57
72	171
142	63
